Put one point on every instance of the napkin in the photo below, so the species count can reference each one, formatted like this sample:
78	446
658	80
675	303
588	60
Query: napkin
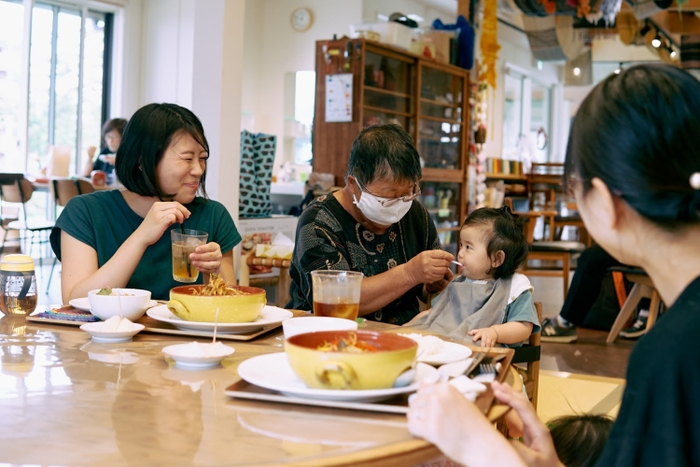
281	247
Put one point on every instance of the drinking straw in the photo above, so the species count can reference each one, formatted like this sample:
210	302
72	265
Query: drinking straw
185	256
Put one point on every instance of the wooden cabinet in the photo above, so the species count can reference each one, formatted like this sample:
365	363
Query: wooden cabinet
428	99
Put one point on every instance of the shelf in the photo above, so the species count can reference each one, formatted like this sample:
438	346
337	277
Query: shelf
387	111
439	138
386	91
441	119
521	177
440	103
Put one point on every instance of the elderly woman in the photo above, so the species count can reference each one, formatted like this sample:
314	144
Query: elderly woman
374	225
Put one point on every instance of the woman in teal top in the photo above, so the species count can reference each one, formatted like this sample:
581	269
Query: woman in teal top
121	238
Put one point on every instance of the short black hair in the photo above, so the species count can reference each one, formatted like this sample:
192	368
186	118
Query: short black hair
579	440
506	234
384	151
637	131
113	124
146	137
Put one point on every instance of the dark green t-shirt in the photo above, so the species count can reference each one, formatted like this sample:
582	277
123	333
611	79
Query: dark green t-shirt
103	221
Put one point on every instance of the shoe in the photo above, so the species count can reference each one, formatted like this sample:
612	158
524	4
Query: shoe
637	330
553	332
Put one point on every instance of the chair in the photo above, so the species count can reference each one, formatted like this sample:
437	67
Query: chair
643	288
20	192
530	354
283	281
84	187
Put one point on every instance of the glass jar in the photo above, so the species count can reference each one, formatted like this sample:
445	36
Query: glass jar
17	285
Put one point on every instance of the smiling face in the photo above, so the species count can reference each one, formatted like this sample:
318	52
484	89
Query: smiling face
181	168
473	253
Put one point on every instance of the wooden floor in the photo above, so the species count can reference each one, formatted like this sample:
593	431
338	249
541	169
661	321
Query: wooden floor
589	355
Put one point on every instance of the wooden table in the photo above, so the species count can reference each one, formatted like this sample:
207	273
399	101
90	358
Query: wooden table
69	401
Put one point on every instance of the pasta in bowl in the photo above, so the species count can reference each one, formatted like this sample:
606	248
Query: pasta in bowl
350	359
235	304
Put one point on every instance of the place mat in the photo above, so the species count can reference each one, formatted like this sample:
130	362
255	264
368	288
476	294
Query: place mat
396	404
71	316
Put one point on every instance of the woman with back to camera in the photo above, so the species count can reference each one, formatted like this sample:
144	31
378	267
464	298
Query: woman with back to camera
376	226
121	238
636	179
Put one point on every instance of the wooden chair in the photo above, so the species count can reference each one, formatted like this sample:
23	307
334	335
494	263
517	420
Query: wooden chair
283	281
20	192
530	354
643	288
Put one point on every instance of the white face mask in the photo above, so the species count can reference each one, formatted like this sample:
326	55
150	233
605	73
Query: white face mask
371	207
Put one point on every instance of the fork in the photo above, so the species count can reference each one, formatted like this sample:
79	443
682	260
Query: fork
487	373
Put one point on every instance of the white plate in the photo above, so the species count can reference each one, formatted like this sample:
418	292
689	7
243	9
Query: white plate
451	352
269	315
272	371
182	355
84	303
108	337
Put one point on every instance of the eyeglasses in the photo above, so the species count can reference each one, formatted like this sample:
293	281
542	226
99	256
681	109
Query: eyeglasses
386	202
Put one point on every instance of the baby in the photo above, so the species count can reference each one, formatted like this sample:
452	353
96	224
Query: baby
489	301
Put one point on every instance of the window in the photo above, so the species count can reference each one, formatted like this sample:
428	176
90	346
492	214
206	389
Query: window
64	104
304	99
527	117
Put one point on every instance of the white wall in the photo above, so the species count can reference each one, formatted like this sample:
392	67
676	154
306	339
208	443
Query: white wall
190	53
371	8
276	49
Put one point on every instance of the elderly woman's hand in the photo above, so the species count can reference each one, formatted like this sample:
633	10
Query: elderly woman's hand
207	258
429	266
439	285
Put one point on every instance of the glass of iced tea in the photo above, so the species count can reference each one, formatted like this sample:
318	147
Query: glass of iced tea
336	293
184	243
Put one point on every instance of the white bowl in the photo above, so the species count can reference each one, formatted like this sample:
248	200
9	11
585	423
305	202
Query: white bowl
196	356
108	337
303	324
127	303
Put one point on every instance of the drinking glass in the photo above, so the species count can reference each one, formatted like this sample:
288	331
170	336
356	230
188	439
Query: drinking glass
184	243
336	293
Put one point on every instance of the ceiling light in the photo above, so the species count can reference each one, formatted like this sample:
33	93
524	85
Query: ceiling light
577	71
673	54
656	42
617	71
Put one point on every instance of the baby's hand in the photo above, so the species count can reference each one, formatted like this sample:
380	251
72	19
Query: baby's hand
488	336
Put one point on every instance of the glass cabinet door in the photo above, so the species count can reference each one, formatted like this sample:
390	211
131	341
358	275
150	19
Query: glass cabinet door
387	98
441	102
444	204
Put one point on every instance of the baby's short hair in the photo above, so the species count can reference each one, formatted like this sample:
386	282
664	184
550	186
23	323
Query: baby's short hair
505	233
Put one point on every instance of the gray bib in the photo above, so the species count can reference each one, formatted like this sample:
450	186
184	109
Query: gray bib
465	305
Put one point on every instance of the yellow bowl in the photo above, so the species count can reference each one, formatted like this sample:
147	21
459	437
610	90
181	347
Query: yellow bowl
377	369
185	304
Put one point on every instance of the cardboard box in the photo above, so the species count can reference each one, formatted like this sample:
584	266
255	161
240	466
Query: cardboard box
441	39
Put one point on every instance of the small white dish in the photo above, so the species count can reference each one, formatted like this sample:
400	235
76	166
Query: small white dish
435	351
302	324
83	304
109	337
272	371
196	356
269	315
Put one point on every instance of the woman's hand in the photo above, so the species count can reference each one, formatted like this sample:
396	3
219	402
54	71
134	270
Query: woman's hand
443	416
161	216
207	258
439	285
429	266
538	447
488	336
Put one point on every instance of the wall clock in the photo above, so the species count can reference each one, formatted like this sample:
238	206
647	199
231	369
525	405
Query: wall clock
302	19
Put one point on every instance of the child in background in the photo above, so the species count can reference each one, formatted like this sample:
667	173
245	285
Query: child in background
489	302
580	439
112	132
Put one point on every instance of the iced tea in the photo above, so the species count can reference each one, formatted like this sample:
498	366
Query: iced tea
183	244
337	310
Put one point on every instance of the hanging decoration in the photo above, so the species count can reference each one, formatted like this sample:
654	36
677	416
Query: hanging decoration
488	44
